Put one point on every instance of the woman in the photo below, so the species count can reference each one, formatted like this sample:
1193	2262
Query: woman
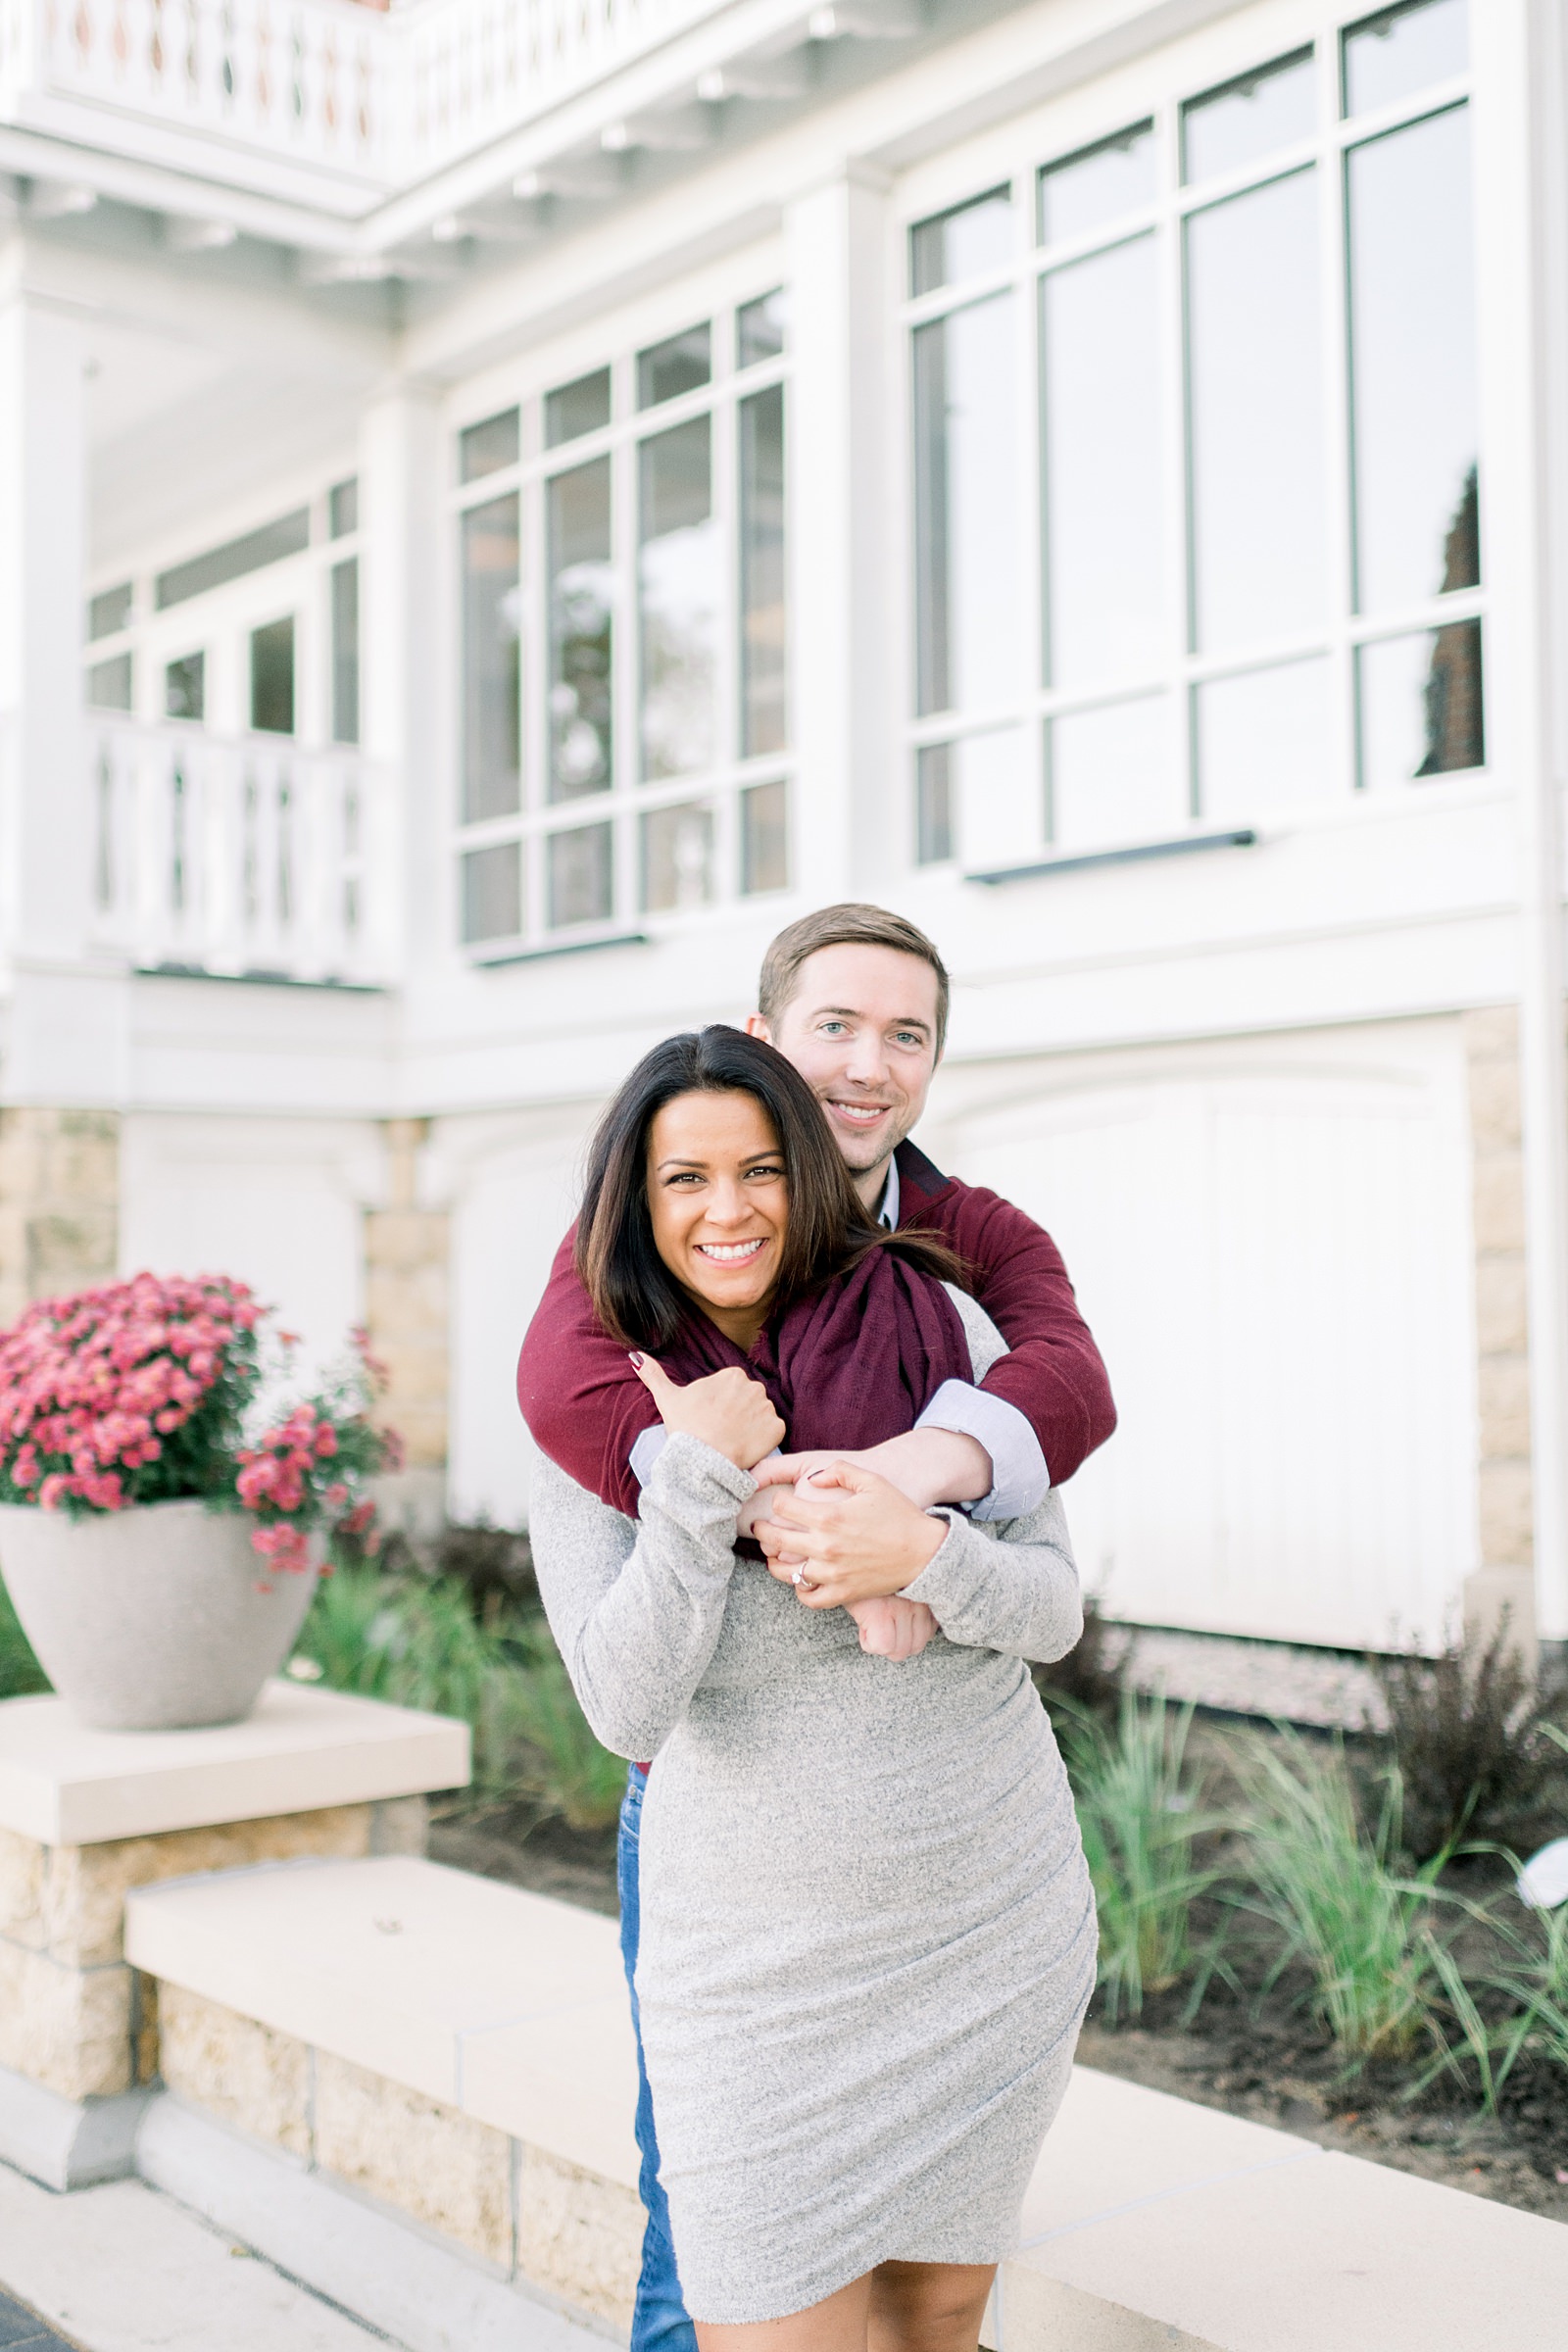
859	1982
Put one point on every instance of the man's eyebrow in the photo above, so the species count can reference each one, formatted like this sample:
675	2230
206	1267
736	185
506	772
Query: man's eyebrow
852	1012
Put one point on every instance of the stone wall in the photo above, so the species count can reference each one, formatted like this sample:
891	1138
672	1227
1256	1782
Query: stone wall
1505	1579
59	1204
519	2210
73	2016
407	1255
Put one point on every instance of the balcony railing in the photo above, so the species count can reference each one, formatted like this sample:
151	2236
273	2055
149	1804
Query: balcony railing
249	858
318	101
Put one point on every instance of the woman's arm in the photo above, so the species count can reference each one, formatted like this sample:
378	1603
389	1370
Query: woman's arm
636	1610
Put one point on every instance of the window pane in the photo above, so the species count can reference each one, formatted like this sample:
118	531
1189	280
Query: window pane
581	606
234	560
108	614
762	328
273	677
1263	741
492	892
678	857
581	876
577	408
1419	705
934	832
668	369
1252	303
1099	187
678	575
761	573
486	448
491	671
996	809
1413	333
1253	116
343	508
185	687
966	507
1101	380
346	653
1403	50
765	838
964	244
1111	775
109	684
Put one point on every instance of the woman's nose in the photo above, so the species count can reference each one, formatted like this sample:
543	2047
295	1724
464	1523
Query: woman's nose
727	1205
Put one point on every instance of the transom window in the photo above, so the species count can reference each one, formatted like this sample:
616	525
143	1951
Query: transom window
1234	345
623	721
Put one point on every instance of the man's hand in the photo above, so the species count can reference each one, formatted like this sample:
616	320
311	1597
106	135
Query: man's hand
847	1535
927	1465
728	1410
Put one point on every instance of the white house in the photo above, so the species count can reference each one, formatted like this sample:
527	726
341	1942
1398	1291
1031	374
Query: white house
506	502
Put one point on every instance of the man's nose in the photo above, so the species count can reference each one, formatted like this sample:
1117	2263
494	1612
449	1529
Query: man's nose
868	1064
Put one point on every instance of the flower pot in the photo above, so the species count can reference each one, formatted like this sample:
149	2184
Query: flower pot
151	1619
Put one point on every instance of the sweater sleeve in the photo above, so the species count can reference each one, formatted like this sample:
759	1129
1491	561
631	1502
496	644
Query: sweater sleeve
636	1609
1013	1589
1052	1372
584	1406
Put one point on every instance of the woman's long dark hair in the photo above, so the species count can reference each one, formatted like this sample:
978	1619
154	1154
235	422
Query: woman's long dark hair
634	1294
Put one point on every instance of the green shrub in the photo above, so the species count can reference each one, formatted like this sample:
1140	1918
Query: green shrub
1092	1673
1327	1881
20	1671
1470	1738
1139	1810
560	1762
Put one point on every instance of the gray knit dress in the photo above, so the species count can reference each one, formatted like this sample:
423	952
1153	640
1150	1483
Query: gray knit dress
867	1933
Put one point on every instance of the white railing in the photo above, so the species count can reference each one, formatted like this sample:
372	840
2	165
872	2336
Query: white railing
250	857
313	98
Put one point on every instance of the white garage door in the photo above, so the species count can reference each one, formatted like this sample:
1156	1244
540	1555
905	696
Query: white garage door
1273	1250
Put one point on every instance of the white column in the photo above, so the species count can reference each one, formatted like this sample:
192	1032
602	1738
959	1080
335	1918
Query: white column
841	611
405	666
44	526
1523	183
67	1034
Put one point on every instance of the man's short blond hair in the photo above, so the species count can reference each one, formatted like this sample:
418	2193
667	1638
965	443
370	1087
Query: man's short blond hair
849	926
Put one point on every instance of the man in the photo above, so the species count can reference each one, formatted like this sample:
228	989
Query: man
857	1000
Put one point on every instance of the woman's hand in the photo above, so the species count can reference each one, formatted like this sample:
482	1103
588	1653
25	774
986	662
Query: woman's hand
847	1535
728	1410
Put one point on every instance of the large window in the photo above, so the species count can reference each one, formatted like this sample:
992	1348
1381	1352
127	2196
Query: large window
624	662
1237	340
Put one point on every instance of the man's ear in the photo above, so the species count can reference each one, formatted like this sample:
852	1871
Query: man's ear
756	1026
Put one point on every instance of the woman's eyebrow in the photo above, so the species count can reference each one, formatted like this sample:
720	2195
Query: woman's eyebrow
675	1160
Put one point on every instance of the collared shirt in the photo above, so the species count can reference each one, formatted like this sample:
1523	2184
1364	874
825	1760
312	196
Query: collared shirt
1019	1478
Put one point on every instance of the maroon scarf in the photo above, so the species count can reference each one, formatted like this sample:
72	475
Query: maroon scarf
850	1364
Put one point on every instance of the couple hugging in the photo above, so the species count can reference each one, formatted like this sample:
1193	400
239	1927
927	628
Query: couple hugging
858	1926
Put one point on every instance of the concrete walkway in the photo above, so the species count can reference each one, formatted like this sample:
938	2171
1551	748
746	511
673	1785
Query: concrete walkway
121	2269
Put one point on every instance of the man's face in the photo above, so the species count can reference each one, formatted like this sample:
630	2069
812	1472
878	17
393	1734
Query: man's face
862	1030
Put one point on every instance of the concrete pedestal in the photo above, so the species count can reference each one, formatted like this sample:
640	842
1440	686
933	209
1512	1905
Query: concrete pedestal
85	1816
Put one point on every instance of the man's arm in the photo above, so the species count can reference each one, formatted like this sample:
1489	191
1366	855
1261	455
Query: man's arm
1053	1374
582	1399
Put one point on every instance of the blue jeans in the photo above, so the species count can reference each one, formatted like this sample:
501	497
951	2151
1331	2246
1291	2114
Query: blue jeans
658	2320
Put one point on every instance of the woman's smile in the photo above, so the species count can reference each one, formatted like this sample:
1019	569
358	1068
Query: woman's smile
719	1205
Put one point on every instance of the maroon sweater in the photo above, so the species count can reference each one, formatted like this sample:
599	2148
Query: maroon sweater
586	1407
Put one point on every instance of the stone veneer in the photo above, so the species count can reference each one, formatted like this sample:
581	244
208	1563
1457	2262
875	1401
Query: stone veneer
73	2016
1505	1579
524	2213
59	1204
407	1255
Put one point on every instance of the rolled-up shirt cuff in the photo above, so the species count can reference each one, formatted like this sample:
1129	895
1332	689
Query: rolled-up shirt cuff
1019	1478
646	1451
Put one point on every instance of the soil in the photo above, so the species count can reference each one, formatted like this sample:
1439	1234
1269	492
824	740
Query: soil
1265	2061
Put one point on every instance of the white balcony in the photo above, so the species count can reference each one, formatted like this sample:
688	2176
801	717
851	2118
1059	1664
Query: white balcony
335	110
249	858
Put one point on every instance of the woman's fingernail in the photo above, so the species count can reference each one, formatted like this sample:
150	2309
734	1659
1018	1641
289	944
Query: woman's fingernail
634	1359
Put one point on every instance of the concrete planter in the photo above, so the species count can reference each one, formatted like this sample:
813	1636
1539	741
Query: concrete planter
152	1619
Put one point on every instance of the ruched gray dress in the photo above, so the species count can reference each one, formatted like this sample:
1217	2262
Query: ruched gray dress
868	1932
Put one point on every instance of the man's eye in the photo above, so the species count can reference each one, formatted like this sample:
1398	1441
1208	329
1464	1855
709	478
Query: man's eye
832	1028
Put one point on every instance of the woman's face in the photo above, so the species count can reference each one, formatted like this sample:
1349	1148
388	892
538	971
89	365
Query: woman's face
719	1204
